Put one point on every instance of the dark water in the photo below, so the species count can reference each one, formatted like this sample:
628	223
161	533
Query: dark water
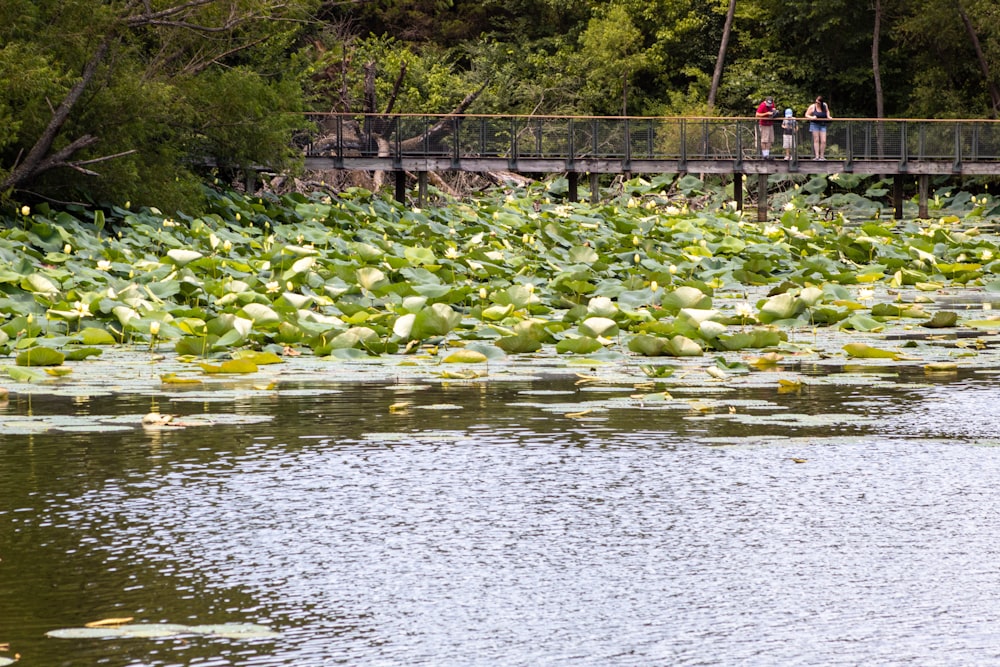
479	527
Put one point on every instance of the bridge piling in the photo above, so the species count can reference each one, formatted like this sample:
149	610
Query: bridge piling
761	197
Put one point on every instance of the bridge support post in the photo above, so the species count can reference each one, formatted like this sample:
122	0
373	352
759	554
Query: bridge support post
400	186
761	197
595	188
421	188
574	182
738	191
924	186
897	196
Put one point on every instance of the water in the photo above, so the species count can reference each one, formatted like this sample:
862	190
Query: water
481	526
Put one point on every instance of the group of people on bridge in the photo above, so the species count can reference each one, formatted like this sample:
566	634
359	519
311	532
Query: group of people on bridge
818	114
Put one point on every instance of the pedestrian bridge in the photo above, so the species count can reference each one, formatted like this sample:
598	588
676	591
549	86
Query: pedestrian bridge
419	143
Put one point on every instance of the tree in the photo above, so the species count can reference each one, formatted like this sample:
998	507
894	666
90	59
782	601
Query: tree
724	44
133	94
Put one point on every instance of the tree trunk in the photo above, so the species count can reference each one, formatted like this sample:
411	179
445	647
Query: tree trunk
876	68
981	58
717	75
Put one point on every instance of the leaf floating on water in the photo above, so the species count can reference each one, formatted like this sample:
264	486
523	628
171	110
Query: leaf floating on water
941	367
85	633
465	357
397	408
864	351
105	622
577	415
460	375
587	379
941	320
58	371
789	386
235	631
160	630
799	460
174	378
231	366
259	358
40	356
768	360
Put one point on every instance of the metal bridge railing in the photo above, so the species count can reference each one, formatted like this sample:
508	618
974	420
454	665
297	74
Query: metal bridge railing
459	137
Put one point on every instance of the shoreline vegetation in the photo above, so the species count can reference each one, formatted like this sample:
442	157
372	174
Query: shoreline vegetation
516	277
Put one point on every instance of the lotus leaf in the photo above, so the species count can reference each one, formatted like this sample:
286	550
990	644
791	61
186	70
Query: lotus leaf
40	356
597	327
465	357
685	297
520	343
865	351
231	366
578	345
941	319
181	257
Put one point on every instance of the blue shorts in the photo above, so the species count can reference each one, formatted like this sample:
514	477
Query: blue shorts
817	127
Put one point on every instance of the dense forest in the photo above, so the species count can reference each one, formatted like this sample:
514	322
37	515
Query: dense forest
130	100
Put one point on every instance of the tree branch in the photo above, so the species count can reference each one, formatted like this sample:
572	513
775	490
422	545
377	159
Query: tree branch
36	161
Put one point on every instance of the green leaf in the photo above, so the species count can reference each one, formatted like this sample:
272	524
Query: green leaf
578	345
95	336
259	358
182	257
81	353
597	327
649	346
231	366
464	356
865	351
941	319
436	320
40	356
519	344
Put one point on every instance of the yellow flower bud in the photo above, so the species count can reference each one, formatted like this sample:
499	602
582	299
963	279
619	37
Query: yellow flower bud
482	293
653	286
25	211
154	328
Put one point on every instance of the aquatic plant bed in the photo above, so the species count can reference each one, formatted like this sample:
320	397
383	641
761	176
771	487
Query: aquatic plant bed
266	294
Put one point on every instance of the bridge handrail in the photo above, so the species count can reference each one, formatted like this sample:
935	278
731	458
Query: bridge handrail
459	137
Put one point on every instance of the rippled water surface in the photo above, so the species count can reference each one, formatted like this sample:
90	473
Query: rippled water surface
479	524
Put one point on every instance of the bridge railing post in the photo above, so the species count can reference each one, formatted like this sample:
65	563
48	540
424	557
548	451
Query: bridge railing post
570	147
339	154
627	164
903	144
849	163
957	164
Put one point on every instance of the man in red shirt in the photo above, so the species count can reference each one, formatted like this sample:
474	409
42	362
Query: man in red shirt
765	112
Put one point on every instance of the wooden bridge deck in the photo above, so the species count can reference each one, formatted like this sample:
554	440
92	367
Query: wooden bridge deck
575	145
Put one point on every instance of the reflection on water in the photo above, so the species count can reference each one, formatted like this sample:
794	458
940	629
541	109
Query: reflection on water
479	525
